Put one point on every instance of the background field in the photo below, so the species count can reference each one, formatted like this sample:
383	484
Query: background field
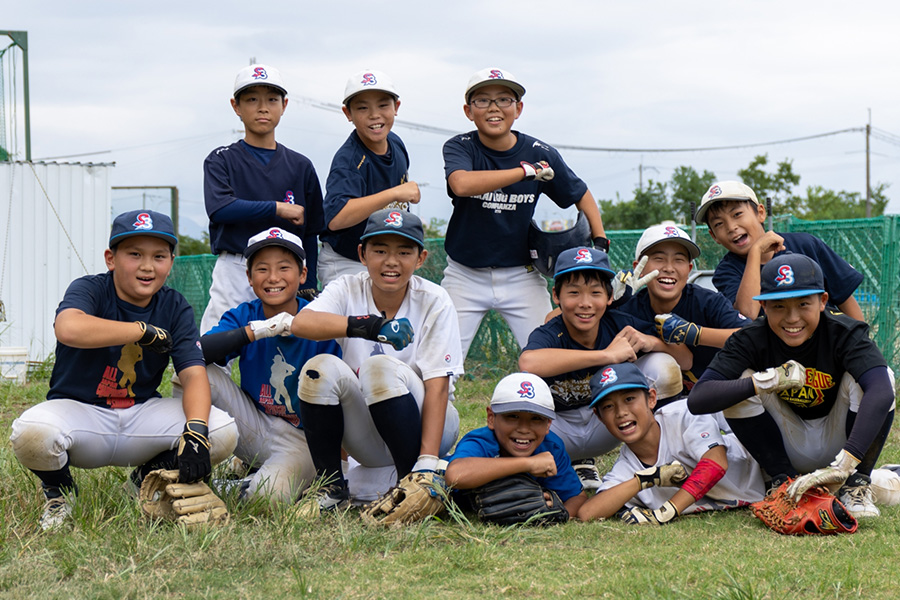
110	552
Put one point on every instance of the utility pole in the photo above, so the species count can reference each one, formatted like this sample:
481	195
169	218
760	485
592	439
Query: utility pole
868	171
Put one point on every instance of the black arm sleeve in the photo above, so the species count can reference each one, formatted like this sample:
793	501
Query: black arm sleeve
873	409
217	346
714	393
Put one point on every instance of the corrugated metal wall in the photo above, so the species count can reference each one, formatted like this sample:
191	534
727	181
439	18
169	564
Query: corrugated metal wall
40	252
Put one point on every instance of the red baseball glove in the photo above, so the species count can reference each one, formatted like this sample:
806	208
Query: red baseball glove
817	512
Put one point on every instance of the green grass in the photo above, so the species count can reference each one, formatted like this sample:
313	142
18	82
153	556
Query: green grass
109	551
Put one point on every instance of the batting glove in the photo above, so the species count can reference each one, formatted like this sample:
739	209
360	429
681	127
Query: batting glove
837	472
789	376
280	324
541	170
672	329
193	452
155	338
631	281
663	515
668	475
396	332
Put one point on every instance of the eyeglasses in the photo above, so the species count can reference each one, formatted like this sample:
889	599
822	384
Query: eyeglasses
504	102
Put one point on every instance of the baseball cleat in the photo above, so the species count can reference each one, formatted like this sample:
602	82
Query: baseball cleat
56	511
329	498
588	474
859	501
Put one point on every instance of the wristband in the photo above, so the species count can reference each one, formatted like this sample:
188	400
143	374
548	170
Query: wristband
705	475
365	326
601	243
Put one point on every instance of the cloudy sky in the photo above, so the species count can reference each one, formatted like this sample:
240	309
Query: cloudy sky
147	85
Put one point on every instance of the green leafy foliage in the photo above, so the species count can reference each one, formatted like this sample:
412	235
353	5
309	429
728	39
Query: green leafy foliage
188	246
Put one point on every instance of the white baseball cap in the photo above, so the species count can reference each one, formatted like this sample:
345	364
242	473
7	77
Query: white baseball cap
665	232
369	80
258	75
523	392
493	76
276	237
724	190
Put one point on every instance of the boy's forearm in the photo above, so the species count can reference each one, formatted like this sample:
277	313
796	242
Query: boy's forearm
196	400
434	413
357	210
851	308
605	504
574	503
680	352
474	183
591	211
547	362
319	326
714	338
474	471
77	329
744	302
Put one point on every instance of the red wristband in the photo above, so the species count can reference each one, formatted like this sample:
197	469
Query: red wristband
706	474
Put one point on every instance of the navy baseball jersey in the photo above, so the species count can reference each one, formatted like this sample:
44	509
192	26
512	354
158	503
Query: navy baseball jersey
840	344
120	376
491	230
356	172
270	367
841	279
482	443
697	305
573	390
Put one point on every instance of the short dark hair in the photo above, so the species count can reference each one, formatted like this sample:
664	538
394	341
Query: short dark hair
366	241
286	251
237	96
587	276
718	207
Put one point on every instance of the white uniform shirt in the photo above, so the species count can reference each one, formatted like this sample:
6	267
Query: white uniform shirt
435	349
685	438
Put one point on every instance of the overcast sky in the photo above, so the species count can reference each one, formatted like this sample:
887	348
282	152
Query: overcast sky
150	83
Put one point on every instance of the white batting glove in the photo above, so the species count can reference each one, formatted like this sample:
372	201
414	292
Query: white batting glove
672	474
632	280
541	170
789	376
663	515
280	324
837	472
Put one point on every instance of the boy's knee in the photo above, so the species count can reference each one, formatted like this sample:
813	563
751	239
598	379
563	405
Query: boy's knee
38	446
381	378
322	379
662	373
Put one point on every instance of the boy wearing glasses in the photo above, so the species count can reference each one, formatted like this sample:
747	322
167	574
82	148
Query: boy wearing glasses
494	177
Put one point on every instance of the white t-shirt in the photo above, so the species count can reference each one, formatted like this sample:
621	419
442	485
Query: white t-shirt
435	350
686	438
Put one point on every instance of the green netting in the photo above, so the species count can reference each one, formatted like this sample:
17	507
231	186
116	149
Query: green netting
872	246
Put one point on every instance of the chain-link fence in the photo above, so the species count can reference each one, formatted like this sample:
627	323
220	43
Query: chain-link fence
872	246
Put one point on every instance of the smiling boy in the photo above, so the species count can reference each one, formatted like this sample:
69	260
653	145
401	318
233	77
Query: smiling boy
802	384
370	171
387	402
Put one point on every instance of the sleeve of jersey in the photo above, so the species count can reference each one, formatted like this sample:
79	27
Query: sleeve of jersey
857	351
217	190
333	298
342	184
565	483
727	279
720	314
841	279
314	218
542	337
457	154
712	393
472	445
621	471
566	188
701	432
186	350
440	351
82	294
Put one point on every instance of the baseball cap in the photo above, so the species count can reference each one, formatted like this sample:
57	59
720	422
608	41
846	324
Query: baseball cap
142	222
369	80
723	190
258	75
625	376
666	232
275	237
398	222
790	275
523	392
580	259
493	76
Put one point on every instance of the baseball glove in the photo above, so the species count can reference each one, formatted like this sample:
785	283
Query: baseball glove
417	496
518	499
162	497
817	512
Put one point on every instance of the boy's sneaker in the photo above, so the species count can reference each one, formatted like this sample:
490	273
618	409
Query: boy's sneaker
587	472
857	497
56	511
328	498
776	482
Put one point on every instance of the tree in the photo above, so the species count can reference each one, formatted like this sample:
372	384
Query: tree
435	228
188	246
823	204
649	206
777	186
689	186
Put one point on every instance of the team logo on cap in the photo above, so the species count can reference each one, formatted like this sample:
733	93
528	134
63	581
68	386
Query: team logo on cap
260	73
143	221
289	197
714	192
394	219
495	74
526	390
670	232
785	275
584	256
275	233
369	79
608	376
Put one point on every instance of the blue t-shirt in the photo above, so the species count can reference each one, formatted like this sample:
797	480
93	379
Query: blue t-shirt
491	230
697	305
573	389
483	444
270	367
356	172
233	173
841	279
119	376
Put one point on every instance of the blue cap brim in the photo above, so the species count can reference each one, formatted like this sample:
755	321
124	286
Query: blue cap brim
616	388
157	234
790	294
609	272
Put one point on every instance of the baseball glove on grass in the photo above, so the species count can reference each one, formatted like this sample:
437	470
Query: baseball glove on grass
518	499
817	512
162	497
417	496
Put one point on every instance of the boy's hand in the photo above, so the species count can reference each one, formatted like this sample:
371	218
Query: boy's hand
632	281
640	342
837	472
280	324
542	465
620	350
789	376
672	329
672	474
396	332
663	515
408	192
540	170
155	338
768	242
193	452
292	212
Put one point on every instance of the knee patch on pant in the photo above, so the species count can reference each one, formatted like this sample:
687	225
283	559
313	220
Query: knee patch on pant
38	446
319	379
381	379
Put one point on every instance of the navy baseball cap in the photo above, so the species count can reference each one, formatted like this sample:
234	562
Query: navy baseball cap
625	376
580	259
790	275
523	392
142	222
396	221
275	237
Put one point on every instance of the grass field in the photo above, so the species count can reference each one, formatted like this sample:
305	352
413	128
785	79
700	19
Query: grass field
110	552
